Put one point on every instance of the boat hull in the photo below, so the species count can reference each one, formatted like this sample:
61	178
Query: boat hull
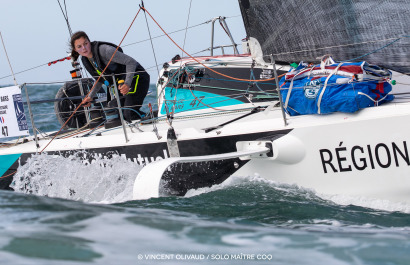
362	154
366	157
145	153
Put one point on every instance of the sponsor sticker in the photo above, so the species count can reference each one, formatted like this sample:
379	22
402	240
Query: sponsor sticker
13	121
19	110
311	88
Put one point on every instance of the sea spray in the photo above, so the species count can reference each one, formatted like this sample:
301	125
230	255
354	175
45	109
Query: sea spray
100	180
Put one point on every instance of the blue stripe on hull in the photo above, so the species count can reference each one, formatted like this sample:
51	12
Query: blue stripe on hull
6	161
201	100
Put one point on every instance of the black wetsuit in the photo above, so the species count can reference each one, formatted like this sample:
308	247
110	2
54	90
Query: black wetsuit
123	67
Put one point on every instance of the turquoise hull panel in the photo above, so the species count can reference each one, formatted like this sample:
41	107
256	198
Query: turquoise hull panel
186	101
6	161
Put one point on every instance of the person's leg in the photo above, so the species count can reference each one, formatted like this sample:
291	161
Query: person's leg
135	98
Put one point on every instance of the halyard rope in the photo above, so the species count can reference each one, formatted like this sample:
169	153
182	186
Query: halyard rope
152	44
180	66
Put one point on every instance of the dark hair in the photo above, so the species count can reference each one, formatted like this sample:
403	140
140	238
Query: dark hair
74	37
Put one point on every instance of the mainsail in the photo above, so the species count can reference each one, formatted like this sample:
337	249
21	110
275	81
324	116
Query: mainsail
373	30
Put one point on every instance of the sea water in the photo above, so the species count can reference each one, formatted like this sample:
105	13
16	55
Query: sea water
65	211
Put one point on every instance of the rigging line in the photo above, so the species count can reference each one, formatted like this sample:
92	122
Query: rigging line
65	17
67	20
176	31
66	13
163	94
210	69
226	80
109	62
86	74
152	44
234	16
11	174
200	100
215	47
180	62
189	87
232	96
216	113
11	68
172	32
210	129
186	29
223	27
373	51
337	46
25	70
263	91
164	98
62	11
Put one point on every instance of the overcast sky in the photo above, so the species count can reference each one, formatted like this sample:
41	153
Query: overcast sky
35	32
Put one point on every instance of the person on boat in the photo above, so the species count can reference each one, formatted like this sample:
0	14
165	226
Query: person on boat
95	57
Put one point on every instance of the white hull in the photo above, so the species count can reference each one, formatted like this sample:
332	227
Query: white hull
365	154
376	169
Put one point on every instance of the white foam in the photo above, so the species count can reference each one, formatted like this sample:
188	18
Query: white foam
384	205
103	180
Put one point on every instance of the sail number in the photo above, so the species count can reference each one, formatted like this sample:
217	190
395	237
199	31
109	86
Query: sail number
4	131
195	103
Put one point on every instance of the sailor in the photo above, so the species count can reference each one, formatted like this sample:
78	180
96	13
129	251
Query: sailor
95	57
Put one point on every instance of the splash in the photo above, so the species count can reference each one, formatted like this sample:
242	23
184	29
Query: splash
102	180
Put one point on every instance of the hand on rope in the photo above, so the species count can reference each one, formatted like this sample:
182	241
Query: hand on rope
86	101
212	70
124	89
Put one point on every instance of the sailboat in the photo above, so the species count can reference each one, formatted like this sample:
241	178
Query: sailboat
227	115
